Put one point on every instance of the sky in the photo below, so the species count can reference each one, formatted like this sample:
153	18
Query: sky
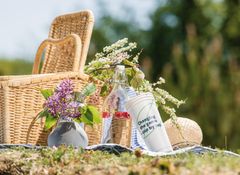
24	24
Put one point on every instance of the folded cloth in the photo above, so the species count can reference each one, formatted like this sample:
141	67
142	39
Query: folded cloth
106	135
27	146
197	149
118	149
110	148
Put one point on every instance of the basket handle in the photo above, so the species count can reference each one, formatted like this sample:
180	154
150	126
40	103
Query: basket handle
30	127
45	43
86	42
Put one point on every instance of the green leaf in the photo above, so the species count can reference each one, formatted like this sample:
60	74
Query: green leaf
104	90
46	93
136	82
78	120
83	110
130	74
50	121
95	113
91	115
78	97
128	63
43	113
85	120
89	89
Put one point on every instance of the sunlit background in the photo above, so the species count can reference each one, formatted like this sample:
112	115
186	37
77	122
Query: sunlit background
24	24
193	44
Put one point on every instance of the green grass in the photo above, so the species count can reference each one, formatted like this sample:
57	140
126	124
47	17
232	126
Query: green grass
70	161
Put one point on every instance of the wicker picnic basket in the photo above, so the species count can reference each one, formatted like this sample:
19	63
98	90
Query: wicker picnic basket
78	23
64	55
21	101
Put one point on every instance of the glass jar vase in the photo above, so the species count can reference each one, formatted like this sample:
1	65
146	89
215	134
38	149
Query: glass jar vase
69	133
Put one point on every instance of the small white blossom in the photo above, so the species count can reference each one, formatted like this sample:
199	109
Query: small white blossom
161	80
140	75
135	59
104	59
106	66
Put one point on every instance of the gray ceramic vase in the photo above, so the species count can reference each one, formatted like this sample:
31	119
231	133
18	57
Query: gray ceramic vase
68	133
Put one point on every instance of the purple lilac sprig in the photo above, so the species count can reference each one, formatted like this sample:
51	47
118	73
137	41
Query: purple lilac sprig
62	103
65	88
73	109
53	104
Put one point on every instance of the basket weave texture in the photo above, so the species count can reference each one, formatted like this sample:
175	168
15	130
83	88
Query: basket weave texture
79	23
121	131
21	100
64	55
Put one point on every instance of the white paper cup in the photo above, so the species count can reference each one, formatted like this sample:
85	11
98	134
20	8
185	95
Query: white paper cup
144	113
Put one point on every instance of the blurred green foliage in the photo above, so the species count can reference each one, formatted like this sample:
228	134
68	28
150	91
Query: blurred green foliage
15	67
195	46
211	86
